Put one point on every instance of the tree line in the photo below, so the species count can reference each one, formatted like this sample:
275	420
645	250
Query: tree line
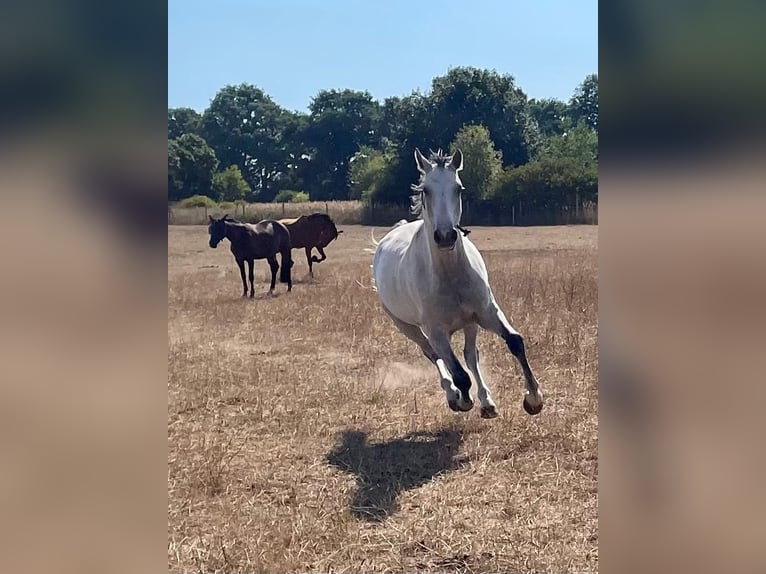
245	146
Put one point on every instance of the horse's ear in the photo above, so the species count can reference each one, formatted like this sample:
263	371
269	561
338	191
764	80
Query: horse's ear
225	217
456	162
424	166
210	217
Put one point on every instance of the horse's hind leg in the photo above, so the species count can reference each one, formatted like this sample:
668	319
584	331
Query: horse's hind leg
251	275
494	320
274	268
413	332
471	355
241	265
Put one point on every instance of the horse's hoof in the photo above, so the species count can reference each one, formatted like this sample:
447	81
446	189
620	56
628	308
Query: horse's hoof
489	412
465	406
453	406
532	409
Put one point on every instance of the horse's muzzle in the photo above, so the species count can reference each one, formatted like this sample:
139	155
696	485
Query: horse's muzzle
445	240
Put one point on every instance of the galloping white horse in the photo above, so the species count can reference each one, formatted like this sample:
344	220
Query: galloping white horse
432	281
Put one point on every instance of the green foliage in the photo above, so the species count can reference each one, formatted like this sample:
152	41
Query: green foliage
198	201
482	163
579	143
291	196
340	122
191	165
351	146
474	96
183	121
245	127
549	115
229	185
548	183
584	103
367	173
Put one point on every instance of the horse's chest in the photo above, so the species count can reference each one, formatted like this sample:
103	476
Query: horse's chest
456	304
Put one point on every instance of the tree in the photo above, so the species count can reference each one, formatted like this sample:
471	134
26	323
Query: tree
475	96
183	121
229	185
584	103
550	115
579	143
406	125
340	122
482	163
246	128
548	183
367	172
191	165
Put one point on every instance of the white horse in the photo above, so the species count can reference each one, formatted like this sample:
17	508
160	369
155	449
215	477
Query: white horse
432	281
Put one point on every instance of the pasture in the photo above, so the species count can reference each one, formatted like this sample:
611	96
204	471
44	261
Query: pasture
305	433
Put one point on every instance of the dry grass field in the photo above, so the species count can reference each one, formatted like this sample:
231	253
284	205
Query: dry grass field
306	434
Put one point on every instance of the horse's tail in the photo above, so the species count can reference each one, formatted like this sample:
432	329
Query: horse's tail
372	252
285	249
374	243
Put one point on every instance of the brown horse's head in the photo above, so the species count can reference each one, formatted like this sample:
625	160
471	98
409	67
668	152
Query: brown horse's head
327	232
217	230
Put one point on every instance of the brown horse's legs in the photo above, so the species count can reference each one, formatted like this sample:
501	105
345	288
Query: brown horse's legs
308	260
251	263
241	264
321	252
274	267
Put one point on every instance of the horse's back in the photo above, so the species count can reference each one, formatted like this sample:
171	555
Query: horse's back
315	230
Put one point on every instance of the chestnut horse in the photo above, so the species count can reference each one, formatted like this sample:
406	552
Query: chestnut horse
309	231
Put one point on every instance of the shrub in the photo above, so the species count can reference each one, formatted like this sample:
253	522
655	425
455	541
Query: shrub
291	196
229	185
198	201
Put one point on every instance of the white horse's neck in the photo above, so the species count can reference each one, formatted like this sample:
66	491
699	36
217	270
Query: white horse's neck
445	264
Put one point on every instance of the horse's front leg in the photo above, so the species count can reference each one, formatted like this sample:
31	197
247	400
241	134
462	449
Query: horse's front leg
471	355
447	361
251	265
241	265
309	261
494	320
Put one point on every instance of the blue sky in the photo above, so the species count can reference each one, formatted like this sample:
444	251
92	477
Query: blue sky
293	48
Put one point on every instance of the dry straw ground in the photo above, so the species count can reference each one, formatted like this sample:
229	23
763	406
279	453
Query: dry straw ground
306	434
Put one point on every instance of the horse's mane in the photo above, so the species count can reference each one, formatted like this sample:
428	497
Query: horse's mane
416	196
324	217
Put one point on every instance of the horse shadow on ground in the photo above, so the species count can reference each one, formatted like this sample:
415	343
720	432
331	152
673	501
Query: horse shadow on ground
384	470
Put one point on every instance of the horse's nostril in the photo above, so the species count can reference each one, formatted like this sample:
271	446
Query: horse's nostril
448	238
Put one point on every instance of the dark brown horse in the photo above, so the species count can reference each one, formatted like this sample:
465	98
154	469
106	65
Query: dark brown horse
309	231
249	242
